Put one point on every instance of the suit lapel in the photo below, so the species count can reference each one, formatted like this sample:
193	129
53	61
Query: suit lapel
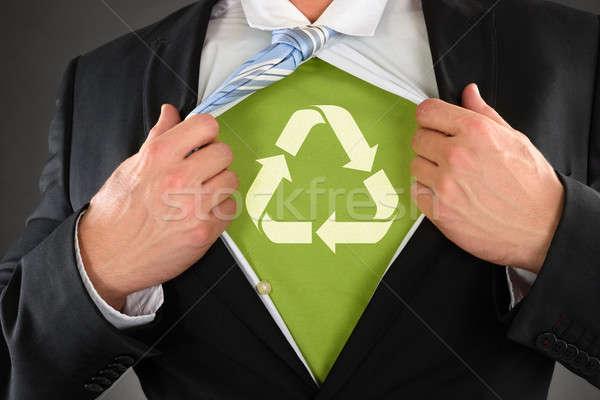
171	77
462	41
463	46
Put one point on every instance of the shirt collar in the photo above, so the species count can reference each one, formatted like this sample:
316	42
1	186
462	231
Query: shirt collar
356	17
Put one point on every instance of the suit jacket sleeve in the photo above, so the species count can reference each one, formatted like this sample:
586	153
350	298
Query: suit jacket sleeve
560	316
55	342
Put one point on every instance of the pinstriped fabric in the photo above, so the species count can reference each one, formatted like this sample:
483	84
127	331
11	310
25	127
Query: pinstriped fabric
288	49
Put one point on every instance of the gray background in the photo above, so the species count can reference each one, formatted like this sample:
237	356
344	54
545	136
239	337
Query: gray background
37	41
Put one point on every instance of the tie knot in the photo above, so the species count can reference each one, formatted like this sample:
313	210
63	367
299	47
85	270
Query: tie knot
307	40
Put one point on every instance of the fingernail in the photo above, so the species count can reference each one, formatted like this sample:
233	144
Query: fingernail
477	89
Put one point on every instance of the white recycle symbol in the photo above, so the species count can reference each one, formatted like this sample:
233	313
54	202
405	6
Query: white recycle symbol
274	170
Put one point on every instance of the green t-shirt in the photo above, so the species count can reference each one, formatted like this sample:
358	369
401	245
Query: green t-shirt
324	201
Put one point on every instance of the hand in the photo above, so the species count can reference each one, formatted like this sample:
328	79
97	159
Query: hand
483	184
160	210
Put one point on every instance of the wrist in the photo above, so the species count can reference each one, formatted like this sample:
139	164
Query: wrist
97	268
114	298
539	251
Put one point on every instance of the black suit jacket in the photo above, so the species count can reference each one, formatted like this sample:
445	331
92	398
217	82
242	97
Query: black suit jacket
438	324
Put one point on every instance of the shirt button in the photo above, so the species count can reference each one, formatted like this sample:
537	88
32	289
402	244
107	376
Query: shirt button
263	287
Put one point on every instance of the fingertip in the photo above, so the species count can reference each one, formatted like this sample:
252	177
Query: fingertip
424	107
473	88
168	118
469	90
471	98
169	108
213	121
202	117
171	114
208	122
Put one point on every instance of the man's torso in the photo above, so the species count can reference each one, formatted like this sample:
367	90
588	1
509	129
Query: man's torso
227	346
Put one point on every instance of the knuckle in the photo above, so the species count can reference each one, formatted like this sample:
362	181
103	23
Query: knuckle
414	191
175	180
445	186
421	193
209	123
416	140
478	126
227	210
201	236
522	138
235	180
224	151
441	213
224	182
155	150
230	206
457	156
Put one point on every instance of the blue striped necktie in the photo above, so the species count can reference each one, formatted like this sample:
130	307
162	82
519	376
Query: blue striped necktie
288	49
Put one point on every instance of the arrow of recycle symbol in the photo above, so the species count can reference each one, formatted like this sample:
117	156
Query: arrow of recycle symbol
274	170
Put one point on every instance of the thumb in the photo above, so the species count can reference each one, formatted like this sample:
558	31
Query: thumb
471	100
169	117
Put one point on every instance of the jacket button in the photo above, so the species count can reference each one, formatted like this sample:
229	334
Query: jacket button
557	350
109	373
125	360
93	387
580	360
592	367
118	368
569	354
101	380
545	341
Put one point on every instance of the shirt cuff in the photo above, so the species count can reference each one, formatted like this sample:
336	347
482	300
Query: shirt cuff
519	283
140	307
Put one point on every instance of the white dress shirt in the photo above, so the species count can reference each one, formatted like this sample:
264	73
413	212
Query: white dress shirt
383	43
